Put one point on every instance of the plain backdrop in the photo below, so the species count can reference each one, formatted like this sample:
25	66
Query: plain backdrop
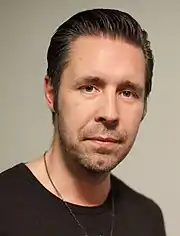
26	27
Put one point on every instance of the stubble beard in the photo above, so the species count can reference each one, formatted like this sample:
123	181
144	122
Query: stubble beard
78	160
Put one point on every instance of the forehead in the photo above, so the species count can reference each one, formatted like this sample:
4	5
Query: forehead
111	59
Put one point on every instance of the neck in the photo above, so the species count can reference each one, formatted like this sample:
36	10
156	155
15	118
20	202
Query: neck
78	185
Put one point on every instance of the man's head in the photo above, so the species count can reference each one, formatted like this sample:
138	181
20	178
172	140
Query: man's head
100	68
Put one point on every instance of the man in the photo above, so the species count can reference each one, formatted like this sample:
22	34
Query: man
99	77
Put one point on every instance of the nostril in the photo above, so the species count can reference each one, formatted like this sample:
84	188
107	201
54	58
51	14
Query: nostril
108	123
100	119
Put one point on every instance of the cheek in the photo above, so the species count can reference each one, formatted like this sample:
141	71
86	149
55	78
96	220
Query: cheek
131	118
76	114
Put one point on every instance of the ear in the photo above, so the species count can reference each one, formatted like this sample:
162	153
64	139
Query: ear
48	92
145	110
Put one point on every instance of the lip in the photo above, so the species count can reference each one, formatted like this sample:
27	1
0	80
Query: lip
100	139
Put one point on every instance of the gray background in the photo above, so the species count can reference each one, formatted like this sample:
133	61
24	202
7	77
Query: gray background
25	122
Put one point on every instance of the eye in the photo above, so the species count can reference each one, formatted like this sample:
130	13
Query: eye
88	89
129	94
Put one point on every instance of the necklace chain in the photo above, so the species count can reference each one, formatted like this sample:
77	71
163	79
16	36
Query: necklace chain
70	210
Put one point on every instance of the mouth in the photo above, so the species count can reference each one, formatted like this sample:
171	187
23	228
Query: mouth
104	140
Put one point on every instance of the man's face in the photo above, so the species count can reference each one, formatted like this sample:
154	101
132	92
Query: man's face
101	102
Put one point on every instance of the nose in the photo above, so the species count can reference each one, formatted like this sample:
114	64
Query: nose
108	113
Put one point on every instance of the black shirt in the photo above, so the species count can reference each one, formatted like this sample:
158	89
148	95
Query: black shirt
29	209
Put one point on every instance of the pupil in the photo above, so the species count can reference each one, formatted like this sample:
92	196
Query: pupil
89	88
127	93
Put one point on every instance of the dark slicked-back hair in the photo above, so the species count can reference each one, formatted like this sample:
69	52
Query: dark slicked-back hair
96	22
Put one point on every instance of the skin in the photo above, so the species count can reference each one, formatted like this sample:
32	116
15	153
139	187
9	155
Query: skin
100	108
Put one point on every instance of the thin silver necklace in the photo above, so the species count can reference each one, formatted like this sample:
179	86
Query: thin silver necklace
70	210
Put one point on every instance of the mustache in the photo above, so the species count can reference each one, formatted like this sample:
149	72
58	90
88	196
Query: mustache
97	131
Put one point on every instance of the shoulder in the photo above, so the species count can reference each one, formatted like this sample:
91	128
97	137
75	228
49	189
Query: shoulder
12	171
12	178
136	202
138	210
14	193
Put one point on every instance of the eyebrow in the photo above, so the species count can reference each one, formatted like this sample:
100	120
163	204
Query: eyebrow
131	85
125	84
90	80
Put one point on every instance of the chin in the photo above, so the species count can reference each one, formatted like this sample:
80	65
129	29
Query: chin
100	165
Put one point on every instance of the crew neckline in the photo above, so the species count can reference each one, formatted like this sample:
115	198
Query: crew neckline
78	209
